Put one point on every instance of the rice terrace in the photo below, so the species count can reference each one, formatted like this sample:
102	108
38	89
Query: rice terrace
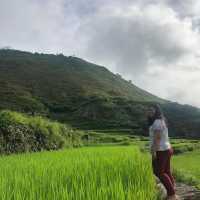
112	164
100	100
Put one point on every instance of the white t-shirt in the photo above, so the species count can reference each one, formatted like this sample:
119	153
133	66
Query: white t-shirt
160	125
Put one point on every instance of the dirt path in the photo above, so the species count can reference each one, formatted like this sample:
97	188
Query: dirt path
184	191
187	192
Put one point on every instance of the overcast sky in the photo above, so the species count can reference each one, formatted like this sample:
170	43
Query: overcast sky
155	43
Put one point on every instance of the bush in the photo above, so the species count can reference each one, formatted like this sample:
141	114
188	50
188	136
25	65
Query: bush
181	148
21	133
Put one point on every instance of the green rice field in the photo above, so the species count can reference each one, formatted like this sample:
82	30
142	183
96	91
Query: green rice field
187	167
118	173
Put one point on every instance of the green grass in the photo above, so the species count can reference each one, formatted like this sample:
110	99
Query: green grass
113	137
186	167
78	174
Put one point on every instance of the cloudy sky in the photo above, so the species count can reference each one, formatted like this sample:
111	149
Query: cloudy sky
154	43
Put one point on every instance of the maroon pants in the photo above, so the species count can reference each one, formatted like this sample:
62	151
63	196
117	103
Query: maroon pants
161	168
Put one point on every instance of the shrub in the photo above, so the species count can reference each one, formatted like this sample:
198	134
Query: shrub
21	133
184	147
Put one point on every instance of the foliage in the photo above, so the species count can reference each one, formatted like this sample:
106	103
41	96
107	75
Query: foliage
20	133
185	147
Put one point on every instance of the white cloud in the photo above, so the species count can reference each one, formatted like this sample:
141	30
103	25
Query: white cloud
37	25
151	45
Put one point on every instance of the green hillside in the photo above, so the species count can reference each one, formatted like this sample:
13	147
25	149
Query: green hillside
39	79
83	94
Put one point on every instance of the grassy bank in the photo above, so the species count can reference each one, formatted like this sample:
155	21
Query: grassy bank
22	133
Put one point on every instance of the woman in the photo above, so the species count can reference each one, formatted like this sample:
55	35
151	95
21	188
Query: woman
161	149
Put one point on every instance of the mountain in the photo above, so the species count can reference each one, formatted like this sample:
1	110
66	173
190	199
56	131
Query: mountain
87	96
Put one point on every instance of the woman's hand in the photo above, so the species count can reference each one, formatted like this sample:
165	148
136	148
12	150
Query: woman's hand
153	152
154	155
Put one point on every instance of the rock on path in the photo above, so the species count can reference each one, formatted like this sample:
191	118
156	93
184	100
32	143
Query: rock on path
187	192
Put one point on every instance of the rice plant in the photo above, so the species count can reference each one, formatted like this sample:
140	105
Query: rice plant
89	173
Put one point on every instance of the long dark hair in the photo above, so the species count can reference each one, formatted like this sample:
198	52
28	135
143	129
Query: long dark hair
158	114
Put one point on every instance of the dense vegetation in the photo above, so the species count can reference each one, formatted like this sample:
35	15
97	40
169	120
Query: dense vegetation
86	173
83	94
21	133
